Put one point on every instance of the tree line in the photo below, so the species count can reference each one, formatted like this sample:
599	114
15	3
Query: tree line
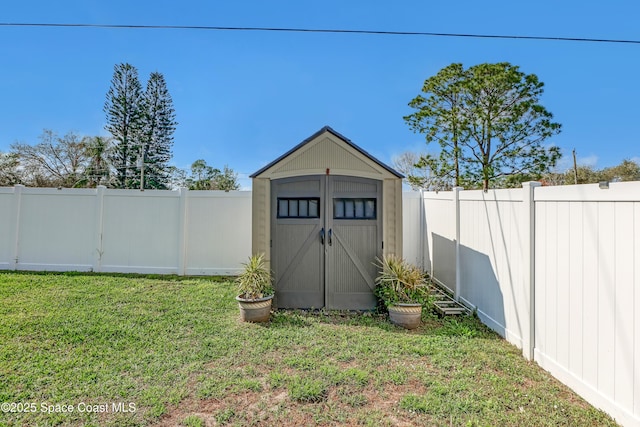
418	177
136	154
627	170
487	121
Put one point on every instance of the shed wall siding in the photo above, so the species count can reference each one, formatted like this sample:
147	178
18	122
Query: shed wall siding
261	221
392	216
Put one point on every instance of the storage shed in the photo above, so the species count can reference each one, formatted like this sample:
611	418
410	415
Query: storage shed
322	212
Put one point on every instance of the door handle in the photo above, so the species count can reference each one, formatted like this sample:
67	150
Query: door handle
322	236
330	234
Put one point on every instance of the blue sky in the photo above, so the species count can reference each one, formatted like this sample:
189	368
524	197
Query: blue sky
244	98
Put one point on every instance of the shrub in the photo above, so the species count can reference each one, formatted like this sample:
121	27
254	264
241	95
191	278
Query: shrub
255	281
399	282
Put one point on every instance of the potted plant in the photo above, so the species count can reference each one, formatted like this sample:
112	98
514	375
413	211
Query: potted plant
402	288
255	290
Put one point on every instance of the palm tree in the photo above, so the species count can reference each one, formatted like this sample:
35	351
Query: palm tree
98	171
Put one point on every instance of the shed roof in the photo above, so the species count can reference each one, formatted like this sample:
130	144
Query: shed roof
336	134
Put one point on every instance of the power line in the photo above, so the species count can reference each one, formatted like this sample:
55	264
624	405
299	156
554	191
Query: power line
316	30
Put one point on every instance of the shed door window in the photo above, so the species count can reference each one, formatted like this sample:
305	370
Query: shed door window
299	207
349	208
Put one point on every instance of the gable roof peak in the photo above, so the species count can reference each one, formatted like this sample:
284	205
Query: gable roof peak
338	135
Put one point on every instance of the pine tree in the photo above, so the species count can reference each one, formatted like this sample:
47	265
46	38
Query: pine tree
489	123
125	120
157	133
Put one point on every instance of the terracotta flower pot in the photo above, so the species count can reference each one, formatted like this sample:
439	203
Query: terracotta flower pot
255	310
406	315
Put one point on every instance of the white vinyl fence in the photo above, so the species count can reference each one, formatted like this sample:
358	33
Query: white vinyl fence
555	270
104	230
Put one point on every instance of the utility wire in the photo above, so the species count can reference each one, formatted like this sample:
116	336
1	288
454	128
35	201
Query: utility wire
316	30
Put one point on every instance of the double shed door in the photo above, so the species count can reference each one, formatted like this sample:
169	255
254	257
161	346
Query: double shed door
326	233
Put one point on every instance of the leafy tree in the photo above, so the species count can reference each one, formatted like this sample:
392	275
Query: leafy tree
177	178
488	122
418	173
405	163
10	174
53	162
586	175
157	137
226	180
125	122
582	175
439	118
205	177
201	175
628	170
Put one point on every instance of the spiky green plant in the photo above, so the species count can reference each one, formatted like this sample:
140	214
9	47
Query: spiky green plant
399	281
256	280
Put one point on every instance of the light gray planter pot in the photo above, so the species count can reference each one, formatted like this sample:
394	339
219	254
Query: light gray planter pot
406	315
255	310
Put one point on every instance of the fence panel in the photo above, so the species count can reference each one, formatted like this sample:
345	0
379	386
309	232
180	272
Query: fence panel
587	292
7	227
218	231
440	236
413	228
55	229
140	231
492	248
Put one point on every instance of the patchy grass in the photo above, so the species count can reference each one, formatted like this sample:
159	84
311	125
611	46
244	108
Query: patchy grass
171	351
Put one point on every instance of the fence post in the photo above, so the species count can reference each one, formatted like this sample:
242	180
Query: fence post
456	201
422	230
17	204
528	233
182	235
97	240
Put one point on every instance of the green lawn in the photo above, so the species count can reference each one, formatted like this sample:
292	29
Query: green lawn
171	351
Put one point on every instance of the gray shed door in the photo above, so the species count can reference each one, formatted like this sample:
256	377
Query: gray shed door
326	233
